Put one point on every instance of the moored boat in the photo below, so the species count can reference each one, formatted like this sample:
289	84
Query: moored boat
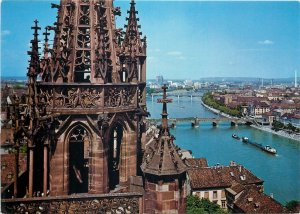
245	139
236	137
269	149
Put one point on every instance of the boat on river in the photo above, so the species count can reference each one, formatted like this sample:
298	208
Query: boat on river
269	149
246	140
236	137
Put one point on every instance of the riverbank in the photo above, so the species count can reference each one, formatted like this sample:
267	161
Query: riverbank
262	128
216	111
279	133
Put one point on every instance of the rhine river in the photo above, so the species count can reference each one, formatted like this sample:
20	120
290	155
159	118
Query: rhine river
281	173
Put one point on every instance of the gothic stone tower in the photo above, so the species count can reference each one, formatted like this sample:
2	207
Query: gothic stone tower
164	171
90	102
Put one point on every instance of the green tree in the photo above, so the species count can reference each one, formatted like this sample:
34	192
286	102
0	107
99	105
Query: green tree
203	206
292	205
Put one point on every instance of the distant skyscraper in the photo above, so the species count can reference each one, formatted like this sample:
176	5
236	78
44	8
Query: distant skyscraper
296	85
160	79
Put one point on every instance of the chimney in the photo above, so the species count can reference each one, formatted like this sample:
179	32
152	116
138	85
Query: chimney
271	195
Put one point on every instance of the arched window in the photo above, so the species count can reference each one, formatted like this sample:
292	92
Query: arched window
114	156
79	144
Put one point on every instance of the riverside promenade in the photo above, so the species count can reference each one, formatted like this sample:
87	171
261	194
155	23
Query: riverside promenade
262	128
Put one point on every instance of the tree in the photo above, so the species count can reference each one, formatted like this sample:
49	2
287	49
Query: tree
203	206
292	205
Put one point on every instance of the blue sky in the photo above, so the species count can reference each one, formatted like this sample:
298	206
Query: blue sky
186	39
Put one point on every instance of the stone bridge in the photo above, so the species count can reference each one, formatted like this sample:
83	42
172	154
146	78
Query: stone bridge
195	121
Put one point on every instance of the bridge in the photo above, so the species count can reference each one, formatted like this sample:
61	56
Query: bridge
195	121
178	95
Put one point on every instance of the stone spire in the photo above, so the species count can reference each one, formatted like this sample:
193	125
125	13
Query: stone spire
33	71
133	51
132	41
85	47
161	157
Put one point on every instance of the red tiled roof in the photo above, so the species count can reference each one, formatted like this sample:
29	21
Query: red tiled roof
237	187
196	162
254	201
222	176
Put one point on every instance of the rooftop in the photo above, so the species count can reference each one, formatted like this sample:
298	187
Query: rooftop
254	201
221	176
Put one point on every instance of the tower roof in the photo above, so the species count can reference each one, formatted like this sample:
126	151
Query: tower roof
161	157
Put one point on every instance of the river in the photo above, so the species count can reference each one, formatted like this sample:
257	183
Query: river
281	172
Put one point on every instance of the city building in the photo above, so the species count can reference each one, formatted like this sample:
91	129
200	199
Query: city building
160	80
251	199
211	182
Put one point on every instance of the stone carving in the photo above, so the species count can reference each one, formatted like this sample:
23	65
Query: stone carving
78	97
141	95
61	58
103	62
119	96
112	204
73	97
87	97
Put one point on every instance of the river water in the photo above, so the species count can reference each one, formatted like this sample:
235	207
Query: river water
281	172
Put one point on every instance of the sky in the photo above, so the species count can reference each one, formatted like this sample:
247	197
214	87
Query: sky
186	39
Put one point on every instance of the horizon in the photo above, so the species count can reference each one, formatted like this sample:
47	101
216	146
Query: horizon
199	39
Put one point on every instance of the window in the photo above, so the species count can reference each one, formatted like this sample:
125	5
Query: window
223	194
223	204
206	195
215	194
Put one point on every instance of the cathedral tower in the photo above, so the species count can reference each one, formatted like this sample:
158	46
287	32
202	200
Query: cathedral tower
90	102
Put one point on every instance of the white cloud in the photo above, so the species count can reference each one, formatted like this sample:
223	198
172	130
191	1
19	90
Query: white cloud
5	32
181	57
266	42
174	53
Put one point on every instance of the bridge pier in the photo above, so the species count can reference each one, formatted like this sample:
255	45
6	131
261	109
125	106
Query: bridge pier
152	97
215	123
173	124
233	123
195	123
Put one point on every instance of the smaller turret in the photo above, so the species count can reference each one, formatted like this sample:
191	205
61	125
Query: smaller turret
164	171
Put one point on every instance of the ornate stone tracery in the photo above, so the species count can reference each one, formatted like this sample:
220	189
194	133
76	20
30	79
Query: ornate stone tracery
80	98
122	203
